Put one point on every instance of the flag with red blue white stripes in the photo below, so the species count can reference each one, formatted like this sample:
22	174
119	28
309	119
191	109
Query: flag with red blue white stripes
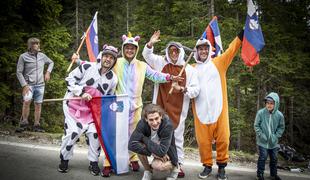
111	114
92	40
212	33
253	39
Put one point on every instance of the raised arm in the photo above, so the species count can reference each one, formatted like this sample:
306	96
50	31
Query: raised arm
75	77
155	61
226	58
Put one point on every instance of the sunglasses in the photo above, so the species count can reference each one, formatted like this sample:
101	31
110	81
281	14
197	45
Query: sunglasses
173	50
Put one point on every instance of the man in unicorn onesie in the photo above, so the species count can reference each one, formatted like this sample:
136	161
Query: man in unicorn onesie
89	79
131	74
176	104
210	107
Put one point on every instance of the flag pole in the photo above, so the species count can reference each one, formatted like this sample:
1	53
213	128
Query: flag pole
191	55
80	46
183	68
62	99
78	98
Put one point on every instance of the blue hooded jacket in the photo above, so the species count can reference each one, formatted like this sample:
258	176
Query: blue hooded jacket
269	126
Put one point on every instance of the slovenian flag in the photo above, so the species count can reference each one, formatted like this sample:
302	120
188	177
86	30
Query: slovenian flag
253	40
92	40
110	115
212	33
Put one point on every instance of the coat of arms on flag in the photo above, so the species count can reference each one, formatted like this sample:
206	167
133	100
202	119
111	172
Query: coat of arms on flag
253	40
110	114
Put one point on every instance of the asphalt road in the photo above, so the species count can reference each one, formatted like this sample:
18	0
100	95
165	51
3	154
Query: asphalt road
23	161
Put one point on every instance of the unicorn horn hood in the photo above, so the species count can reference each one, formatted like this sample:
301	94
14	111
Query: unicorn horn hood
130	40
201	42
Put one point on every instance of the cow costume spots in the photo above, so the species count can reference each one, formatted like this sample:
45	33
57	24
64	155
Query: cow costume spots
86	78
105	86
109	75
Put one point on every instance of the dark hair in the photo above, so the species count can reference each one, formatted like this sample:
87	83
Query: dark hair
269	99
152	108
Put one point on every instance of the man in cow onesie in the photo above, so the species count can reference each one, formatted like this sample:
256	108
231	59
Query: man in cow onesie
89	79
210	107
176	104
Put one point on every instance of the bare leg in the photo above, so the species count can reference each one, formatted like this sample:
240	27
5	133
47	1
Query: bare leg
37	113
25	112
145	162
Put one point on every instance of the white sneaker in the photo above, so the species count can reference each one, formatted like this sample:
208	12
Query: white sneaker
147	175
174	174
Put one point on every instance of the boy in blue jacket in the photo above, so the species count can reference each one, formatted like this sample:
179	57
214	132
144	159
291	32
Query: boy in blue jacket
269	126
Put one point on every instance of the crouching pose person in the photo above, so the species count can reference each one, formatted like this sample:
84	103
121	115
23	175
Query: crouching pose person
153	136
90	79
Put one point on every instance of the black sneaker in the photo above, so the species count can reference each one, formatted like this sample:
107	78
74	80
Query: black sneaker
38	128
205	173
221	174
63	166
260	177
94	168
22	127
275	177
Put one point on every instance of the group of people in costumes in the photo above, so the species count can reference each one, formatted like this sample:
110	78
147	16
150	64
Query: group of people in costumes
159	132
203	82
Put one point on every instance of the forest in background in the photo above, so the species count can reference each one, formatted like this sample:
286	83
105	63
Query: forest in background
284	66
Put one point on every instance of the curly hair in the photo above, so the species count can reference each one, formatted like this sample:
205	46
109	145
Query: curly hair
152	108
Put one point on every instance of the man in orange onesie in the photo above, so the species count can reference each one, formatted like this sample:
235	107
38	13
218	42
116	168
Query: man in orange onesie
210	107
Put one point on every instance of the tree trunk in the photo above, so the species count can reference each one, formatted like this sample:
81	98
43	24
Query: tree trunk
127	16
258	98
291	120
237	91
212	8
76	23
237	17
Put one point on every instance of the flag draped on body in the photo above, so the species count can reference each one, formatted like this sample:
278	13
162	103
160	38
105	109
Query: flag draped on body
92	40
110	114
253	40
212	33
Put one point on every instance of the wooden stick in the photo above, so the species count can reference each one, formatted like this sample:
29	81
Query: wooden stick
78	50
183	68
80	46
